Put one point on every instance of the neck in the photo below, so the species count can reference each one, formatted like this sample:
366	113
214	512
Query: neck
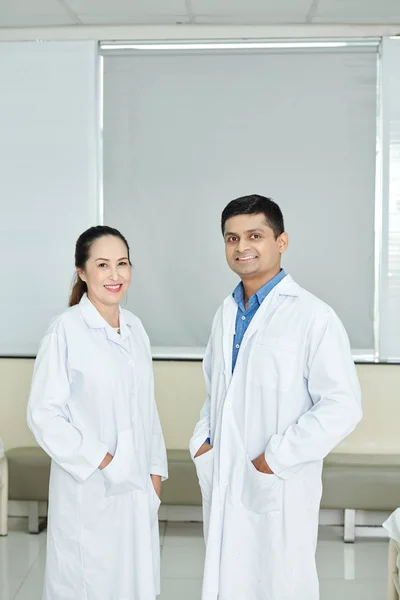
251	285
109	313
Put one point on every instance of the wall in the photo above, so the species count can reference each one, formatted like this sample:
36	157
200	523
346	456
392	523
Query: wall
179	385
180	394
50	181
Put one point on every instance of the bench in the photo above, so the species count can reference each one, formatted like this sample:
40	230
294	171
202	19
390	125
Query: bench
360	482
351	482
3	494
393	574
26	473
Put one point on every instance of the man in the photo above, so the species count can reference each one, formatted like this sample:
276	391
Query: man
282	392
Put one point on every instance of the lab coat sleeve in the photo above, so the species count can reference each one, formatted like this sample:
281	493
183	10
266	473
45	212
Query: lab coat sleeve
159	463
335	393
202	429
158	458
79	453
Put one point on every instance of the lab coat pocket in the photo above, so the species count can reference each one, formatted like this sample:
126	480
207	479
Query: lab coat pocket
274	363
123	474
205	471
154	502
261	493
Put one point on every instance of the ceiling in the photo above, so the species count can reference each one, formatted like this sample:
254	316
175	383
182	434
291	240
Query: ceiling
42	13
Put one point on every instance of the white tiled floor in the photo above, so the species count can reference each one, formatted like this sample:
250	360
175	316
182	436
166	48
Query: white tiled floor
347	572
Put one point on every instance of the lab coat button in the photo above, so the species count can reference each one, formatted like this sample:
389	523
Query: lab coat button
229	405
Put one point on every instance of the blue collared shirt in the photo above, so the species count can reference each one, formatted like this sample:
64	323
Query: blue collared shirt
244	316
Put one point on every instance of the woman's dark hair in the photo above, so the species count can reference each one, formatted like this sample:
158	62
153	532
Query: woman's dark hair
255	205
82	253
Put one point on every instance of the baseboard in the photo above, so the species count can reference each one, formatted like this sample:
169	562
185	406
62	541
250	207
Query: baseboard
368	523
366	518
180	513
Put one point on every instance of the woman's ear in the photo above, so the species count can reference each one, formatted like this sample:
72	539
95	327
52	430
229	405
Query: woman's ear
81	274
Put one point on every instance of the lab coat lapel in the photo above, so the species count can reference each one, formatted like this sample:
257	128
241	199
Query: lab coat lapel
94	320
125	331
286	287
228	332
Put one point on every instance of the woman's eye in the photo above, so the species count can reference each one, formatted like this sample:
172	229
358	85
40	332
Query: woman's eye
123	263
102	265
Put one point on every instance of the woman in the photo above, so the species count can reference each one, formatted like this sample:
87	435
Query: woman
92	409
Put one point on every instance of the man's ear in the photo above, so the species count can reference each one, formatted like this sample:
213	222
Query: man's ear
283	241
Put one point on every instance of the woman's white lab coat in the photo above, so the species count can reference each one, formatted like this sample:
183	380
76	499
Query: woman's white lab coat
294	395
92	393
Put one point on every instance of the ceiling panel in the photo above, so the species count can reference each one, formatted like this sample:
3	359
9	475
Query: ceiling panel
249	19
124	19
40	7
35	20
119	8
26	13
31	13
357	11
275	10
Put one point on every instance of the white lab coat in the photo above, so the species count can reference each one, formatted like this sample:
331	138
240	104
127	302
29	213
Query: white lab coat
294	395
92	393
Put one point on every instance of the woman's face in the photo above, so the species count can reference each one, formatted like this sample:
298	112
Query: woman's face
107	272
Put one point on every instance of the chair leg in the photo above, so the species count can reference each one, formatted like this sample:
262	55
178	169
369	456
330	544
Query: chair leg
349	525
3	496
33	517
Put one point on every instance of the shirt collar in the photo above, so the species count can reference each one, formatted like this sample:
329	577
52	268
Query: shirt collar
94	320
257	298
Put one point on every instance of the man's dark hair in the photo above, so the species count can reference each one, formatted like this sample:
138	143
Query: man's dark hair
255	205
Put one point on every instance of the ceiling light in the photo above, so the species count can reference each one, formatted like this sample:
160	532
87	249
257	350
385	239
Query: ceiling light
221	45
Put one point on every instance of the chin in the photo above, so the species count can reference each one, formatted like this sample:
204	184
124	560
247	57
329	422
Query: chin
112	300
245	273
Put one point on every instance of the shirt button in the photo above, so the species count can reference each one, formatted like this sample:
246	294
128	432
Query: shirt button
238	346
243	318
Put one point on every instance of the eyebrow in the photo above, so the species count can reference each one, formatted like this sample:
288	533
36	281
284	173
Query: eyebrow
247	231
108	260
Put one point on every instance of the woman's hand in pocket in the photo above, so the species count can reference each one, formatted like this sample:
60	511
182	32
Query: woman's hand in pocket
106	461
156	480
261	465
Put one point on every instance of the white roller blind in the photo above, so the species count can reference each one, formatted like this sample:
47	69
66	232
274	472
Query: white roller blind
48	184
390	276
184	133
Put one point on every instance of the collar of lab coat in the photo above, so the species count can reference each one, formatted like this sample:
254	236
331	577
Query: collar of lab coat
94	320
286	287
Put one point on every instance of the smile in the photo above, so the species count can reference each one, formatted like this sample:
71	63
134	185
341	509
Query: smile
114	288
246	258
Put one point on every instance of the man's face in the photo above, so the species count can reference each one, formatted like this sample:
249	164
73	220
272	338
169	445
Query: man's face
251	249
